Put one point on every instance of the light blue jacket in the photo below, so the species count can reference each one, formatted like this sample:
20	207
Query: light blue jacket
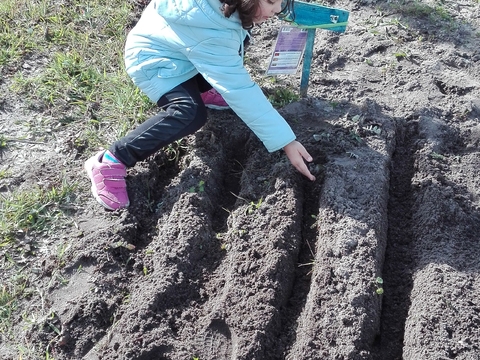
176	39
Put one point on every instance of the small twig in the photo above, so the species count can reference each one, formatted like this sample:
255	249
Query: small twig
25	141
311	251
239	197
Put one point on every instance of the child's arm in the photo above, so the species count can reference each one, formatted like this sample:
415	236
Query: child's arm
223	68
296	153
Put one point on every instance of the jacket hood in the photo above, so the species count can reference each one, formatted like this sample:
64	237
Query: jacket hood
196	13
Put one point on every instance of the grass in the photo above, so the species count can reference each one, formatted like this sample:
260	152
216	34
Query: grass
64	61
412	15
85	82
33	210
10	294
7	306
420	9
3	146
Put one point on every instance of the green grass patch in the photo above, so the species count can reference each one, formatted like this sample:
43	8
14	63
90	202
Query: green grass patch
418	9
86	82
33	210
67	79
414	14
15	39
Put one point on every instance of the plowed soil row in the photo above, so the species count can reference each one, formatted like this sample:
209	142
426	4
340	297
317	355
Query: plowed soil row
291	270
228	253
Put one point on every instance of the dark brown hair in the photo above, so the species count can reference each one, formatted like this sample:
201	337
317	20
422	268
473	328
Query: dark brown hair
246	10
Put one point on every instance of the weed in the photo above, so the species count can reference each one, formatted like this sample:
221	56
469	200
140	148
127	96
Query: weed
436	156
368	62
282	97
323	135
15	40
7	305
175	150
76	80
355	136
387	68
334	104
315	223
272	79
378	286
242	232
400	55
374	129
4	173
61	279
253	206
67	79
124	244
61	250
199	188
126	298
312	260
357	119
373	26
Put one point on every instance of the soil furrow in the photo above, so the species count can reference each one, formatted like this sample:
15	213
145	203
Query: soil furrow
342	311
257	270
445	223
292	309
397	270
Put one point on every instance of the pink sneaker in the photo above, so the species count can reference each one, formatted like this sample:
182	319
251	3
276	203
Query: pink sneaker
108	182
214	100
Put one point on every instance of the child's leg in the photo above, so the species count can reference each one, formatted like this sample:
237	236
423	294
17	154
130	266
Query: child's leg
183	114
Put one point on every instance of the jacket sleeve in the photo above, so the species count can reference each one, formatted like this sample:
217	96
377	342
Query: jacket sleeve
221	65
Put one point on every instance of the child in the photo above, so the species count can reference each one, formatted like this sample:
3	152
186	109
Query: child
178	50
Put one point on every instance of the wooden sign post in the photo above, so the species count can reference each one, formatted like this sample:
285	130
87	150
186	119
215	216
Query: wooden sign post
313	16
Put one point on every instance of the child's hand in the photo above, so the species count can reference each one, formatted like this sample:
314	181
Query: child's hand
296	153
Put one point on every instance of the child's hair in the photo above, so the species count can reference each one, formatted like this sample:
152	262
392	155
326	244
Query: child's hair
248	8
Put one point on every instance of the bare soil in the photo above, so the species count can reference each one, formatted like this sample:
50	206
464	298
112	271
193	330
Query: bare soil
229	253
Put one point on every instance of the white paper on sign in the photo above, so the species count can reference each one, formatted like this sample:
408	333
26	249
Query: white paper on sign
288	51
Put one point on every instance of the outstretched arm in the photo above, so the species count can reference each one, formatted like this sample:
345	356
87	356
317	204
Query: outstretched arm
296	153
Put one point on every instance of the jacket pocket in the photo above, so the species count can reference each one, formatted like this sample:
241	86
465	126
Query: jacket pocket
163	67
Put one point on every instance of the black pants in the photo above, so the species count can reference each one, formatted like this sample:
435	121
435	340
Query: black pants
183	113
